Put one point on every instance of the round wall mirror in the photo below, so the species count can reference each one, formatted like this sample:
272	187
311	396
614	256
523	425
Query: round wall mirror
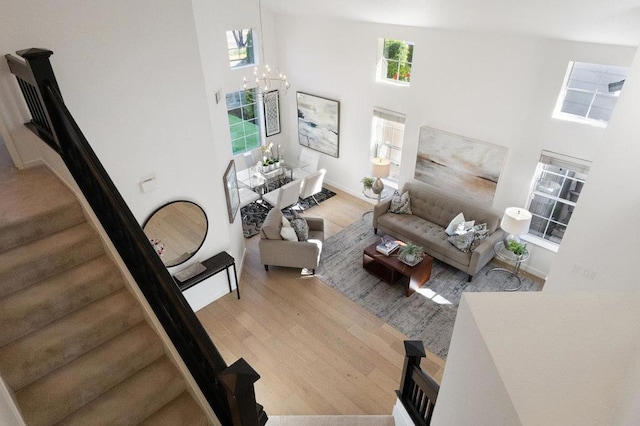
177	231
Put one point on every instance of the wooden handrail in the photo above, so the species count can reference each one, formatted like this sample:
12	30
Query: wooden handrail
174	313
418	391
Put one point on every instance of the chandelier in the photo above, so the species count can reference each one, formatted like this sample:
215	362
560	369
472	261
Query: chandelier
264	81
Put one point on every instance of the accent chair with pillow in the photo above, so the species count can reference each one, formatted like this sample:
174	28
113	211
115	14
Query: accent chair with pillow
295	244
449	229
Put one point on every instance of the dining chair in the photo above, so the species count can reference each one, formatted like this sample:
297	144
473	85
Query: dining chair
307	163
312	185
285	196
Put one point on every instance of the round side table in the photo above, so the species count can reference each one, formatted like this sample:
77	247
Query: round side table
510	257
370	194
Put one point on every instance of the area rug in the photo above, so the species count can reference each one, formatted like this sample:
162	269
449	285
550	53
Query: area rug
253	214
427	315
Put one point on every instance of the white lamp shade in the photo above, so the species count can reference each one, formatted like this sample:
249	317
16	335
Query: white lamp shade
516	220
380	167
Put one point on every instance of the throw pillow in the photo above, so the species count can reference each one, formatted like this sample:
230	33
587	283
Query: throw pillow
462	242
288	233
453	225
400	204
301	228
464	227
480	234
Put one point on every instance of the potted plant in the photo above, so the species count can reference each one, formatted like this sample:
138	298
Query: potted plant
367	182
410	252
276	162
265	166
518	248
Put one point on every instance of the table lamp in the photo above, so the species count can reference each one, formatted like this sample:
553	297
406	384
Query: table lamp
516	222
380	168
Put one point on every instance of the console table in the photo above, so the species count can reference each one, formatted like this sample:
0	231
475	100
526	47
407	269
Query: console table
218	263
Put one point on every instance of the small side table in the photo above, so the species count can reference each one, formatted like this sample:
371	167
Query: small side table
218	263
510	257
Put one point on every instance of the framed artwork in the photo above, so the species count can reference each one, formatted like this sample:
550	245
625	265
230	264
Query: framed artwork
231	190
271	113
318	123
464	167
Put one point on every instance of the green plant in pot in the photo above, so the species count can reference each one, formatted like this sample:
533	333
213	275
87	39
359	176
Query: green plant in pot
411	252
516	247
367	182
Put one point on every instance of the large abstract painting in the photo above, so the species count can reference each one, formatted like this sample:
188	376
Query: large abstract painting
318	123
461	166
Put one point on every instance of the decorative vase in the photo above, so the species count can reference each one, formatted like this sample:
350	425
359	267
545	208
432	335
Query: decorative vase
265	169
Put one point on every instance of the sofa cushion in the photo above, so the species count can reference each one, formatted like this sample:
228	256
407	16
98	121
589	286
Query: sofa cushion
453	225
271	226
481	233
301	227
400	204
462	241
288	233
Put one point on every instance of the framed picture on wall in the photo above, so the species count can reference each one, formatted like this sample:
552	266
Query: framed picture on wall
271	113
318	123
462	166
231	190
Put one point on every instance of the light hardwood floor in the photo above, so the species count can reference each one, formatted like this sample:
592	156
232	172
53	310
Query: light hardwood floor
317	352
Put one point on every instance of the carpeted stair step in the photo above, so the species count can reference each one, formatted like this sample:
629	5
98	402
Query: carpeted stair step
35	204
182	411
30	263
27	310
68	388
49	348
134	399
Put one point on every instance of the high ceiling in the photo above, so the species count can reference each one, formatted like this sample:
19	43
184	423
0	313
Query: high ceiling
597	21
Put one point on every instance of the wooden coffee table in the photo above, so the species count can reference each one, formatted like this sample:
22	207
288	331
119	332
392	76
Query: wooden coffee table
391	269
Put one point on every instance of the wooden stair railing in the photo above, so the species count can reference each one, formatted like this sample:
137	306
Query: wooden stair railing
228	389
418	391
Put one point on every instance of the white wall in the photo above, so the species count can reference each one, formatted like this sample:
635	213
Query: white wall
496	89
541	359
609	209
131	74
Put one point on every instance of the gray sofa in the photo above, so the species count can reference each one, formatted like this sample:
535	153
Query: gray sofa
432	210
294	254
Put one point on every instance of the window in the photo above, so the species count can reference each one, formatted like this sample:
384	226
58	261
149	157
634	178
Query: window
240	48
589	93
244	125
395	60
387	137
555	191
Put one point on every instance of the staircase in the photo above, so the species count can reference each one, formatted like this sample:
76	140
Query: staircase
74	344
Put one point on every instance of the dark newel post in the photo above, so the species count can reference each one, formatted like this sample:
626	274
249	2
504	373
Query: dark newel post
238	380
414	352
43	77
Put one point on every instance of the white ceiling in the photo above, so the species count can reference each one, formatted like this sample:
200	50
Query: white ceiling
597	21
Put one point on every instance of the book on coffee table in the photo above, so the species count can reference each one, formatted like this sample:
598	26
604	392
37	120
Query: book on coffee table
387	246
